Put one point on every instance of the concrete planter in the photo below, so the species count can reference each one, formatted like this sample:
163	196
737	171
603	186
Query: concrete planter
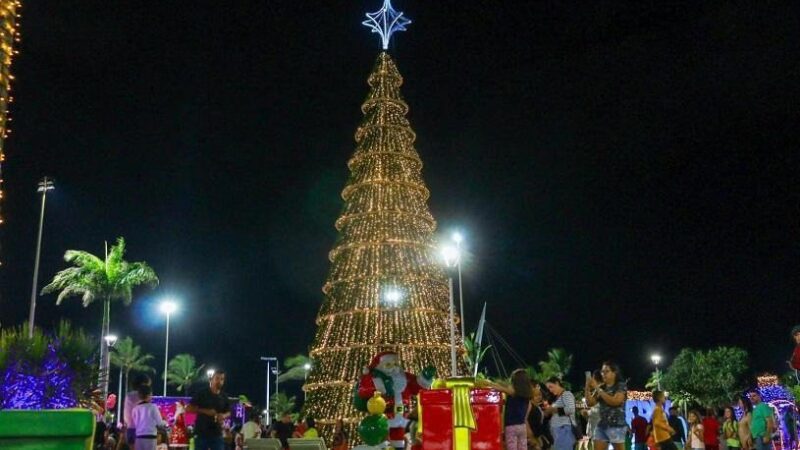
61	429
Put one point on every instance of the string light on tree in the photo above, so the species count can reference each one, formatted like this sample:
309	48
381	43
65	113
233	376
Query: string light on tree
386	289
9	36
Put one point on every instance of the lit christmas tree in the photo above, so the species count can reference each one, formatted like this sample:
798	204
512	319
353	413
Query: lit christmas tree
9	36
386	289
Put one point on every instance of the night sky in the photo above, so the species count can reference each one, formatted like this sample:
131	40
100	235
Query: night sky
625	173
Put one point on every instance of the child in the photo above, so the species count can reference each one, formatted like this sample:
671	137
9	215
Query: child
662	431
146	420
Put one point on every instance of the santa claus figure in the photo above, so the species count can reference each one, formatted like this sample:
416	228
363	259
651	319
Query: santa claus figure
385	375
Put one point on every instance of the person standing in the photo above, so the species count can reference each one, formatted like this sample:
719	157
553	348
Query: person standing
711	430
311	430
730	429
252	428
676	422
762	424
662	431
610	395
340	437
146	418
283	430
695	440
212	408
518	406
561	413
639	427
745	438
131	400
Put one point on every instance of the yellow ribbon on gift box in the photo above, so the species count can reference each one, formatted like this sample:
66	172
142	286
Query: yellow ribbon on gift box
463	417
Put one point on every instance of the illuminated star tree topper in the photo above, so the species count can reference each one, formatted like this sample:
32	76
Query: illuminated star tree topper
386	21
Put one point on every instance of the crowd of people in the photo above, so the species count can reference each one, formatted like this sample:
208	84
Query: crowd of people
543	416
143	427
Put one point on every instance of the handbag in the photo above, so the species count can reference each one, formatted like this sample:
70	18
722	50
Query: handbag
576	431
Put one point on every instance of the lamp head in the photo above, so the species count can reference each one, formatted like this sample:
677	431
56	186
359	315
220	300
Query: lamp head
210	373
110	339
307	366
458	238
168	306
656	358
451	255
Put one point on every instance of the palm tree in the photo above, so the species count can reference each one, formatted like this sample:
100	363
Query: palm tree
297	368
183	372
280	404
128	357
109	279
474	353
557	364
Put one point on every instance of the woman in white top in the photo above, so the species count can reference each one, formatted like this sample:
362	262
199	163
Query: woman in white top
695	440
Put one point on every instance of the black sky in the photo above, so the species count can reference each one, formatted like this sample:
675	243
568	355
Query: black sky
625	172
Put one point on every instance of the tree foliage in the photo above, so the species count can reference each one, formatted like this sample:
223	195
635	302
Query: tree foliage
183	372
474	353
93	278
710	378
557	364
295	368
280	404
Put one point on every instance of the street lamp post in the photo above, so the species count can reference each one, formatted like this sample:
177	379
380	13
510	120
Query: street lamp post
458	238
111	340
451	257
656	358
167	307
268	360
307	367
45	185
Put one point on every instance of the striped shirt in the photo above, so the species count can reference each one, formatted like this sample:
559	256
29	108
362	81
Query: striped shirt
567	401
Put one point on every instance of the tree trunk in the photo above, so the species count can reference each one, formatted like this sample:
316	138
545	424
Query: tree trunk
104	354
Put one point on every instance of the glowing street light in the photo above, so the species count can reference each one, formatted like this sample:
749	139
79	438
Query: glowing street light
111	339
167	307
210	373
458	238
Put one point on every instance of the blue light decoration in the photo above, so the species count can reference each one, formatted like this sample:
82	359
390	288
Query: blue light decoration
386	21
783	406
44	386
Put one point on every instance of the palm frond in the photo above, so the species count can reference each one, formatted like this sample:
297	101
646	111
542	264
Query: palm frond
84	259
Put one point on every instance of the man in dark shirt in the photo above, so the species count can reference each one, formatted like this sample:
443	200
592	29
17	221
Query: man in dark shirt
677	425
283	430
212	408
639	428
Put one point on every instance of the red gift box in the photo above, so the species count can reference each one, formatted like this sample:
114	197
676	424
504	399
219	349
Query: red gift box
438	417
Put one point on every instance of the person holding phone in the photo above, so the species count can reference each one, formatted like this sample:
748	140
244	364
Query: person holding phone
610	395
561	413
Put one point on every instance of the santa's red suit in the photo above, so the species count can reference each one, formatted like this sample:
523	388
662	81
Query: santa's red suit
404	386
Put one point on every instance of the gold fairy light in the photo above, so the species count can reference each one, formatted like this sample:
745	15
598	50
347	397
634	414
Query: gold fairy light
385	240
8	36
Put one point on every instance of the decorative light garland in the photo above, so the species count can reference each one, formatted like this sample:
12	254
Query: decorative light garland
9	35
385	239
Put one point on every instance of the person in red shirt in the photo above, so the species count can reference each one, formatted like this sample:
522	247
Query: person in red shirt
711	430
795	361
639	427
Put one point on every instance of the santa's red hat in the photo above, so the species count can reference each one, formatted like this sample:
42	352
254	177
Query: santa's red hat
377	359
